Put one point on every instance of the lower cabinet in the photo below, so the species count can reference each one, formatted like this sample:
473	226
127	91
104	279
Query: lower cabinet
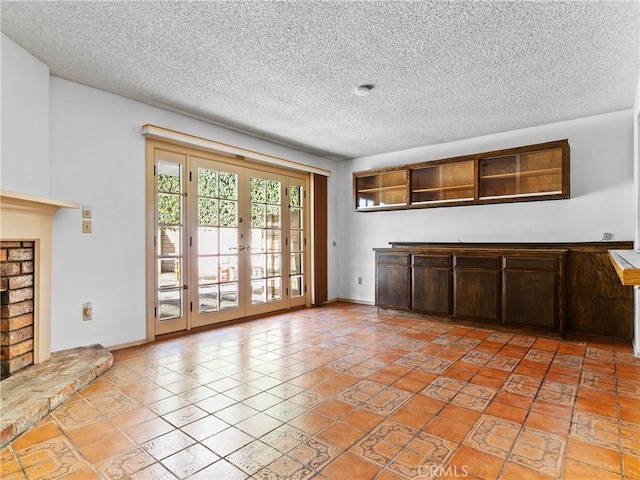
476	287
431	284
393	280
511	286
533	291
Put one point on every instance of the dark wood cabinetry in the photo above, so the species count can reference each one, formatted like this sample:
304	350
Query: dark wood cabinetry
476	287
554	287
394	287
532	172
431	284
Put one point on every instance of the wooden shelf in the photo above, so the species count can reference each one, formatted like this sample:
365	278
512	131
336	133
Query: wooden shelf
382	189
526	173
438	189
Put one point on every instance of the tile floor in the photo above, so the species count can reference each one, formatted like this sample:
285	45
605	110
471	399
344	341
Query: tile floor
342	392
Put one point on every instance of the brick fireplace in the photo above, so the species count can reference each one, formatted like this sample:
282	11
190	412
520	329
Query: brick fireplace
26	230
16	318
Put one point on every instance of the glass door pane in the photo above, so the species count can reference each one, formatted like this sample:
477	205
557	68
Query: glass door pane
266	255
296	240
218	245
299	253
169	240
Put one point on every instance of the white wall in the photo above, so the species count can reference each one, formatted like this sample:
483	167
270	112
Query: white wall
601	199
24	165
98	159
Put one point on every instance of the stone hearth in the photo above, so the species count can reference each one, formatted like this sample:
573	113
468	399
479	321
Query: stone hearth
30	394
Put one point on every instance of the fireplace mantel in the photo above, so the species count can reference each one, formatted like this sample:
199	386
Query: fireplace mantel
30	218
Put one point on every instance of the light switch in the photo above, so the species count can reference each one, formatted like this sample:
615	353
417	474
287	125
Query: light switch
86	226
86	211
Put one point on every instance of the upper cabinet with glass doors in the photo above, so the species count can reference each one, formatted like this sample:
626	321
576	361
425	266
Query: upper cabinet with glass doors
533	172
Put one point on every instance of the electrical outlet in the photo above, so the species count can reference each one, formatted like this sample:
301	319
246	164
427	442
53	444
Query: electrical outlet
87	311
86	226
359	280
607	236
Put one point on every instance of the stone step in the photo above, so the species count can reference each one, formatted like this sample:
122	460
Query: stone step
29	395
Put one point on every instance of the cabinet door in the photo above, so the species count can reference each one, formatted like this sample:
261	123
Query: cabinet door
477	288
530	299
393	281
431	287
531	293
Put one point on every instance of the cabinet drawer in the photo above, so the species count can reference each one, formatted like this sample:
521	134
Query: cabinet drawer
432	260
546	264
394	258
477	262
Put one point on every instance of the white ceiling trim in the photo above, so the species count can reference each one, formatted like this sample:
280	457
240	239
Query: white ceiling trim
161	133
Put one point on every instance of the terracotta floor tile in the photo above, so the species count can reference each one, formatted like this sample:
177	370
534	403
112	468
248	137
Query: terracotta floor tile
426	404
494	373
362	419
513	471
548	423
227	441
167	444
106	447
219	470
333	409
473	462
448	428
574	470
514	399
589	406
91	433
463	415
311	422
42	431
343	391
552	409
148	430
539	450
350	467
507	412
190	460
205	427
341	435
597	456
411	417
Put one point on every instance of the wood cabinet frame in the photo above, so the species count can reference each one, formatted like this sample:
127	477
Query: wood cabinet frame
471	182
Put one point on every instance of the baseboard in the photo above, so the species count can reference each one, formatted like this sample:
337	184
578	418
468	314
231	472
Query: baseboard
359	302
120	346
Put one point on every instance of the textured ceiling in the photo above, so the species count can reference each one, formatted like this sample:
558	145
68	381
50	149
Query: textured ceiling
286	71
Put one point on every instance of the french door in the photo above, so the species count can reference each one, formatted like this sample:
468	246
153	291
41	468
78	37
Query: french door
230	240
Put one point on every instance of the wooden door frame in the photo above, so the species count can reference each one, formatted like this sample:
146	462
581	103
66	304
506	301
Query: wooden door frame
153	143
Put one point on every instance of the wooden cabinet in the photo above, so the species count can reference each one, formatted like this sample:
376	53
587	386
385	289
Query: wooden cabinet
394	286
477	287
446	182
533	172
431	284
382	189
533	290
510	286
552	286
521	175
